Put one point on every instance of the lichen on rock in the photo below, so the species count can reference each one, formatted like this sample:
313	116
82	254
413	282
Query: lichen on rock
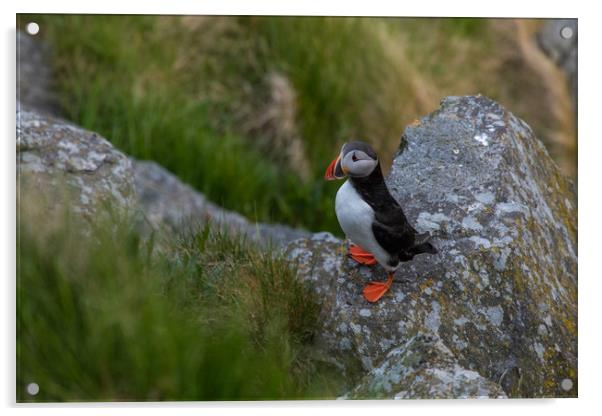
423	368
501	294
65	164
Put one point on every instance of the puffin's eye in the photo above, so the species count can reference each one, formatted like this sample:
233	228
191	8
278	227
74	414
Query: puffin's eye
353	157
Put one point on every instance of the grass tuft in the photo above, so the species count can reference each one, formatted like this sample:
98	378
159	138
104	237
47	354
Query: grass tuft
212	318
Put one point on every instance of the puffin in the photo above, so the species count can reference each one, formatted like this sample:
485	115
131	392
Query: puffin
371	218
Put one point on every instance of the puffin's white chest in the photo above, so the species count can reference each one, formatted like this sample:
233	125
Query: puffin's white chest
355	217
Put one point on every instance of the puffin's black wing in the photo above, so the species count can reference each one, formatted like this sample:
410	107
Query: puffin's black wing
392	231
395	234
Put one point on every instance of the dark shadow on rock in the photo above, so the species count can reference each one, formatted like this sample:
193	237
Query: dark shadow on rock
34	75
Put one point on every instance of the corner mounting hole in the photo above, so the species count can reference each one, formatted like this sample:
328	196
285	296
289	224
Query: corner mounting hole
32	28
566	32
33	389
566	384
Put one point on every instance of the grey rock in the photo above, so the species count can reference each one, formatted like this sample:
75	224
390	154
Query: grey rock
423	368
34	76
169	203
491	288
56	159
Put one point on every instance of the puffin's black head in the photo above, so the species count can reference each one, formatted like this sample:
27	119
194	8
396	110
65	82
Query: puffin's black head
357	159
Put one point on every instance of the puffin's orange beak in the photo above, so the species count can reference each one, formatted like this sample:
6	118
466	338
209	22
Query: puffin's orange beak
334	168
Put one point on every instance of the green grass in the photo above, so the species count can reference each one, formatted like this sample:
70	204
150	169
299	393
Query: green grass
332	64
180	93
211	318
118	77
184	91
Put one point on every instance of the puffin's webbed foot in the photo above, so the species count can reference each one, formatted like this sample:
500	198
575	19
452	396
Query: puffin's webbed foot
375	290
361	256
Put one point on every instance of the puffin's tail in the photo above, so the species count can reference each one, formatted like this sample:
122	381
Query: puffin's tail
426	247
423	245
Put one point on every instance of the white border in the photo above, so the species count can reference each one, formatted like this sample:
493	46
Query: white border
590	153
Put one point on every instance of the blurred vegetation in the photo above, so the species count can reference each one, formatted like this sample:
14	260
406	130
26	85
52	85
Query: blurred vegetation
208	317
250	110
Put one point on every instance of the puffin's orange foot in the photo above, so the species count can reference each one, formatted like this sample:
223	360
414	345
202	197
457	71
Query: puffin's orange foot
361	256
375	290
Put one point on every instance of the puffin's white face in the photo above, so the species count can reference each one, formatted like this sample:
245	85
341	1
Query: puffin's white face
357	159
357	163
